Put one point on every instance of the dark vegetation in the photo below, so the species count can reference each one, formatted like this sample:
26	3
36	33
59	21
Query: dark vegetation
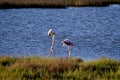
36	68
54	3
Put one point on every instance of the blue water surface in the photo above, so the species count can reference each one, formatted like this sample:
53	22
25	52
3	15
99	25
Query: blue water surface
94	31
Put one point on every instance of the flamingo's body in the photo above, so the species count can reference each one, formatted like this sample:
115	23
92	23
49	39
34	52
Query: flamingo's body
51	34
68	44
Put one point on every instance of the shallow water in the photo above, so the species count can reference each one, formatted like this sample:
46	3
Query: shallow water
94	31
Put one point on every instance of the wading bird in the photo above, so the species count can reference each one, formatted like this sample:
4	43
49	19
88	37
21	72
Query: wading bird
68	45
51	34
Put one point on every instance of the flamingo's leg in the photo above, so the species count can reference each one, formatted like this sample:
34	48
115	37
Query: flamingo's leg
69	54
67	51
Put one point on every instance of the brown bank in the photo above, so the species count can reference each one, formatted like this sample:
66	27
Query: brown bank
54	3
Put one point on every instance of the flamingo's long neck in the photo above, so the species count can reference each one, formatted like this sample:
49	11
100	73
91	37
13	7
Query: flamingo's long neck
53	40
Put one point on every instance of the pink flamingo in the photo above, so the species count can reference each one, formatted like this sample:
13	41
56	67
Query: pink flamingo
68	45
51	34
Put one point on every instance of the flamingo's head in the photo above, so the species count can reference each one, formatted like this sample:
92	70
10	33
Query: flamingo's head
50	32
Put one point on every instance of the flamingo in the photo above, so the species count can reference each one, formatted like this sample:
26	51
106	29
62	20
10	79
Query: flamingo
51	34
68	45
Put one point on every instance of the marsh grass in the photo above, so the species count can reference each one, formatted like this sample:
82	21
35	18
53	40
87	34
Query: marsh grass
54	3
37	68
